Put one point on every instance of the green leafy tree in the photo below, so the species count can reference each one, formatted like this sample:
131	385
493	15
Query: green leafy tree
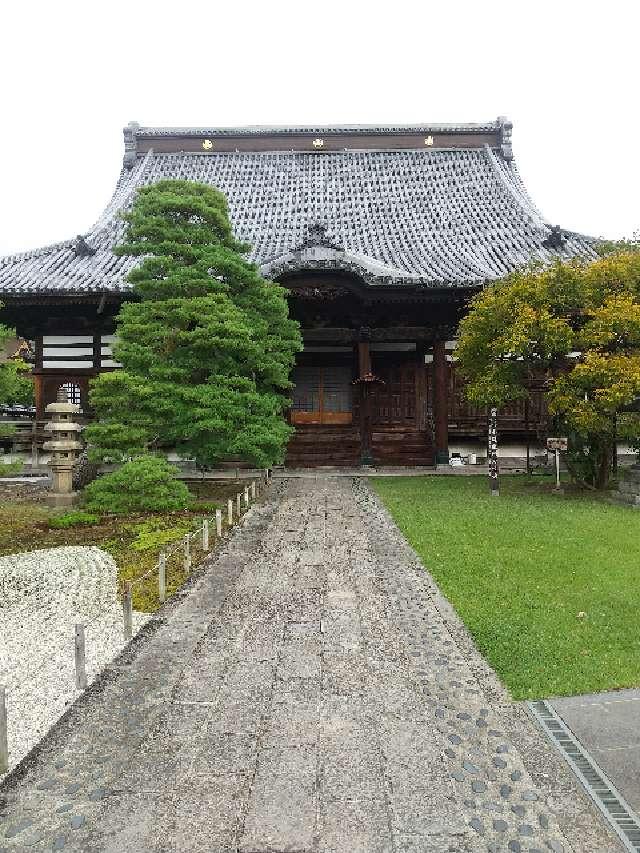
16	385
16	388
577	326
207	347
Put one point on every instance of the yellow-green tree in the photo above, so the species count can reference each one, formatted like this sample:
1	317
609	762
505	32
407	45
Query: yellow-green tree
577	326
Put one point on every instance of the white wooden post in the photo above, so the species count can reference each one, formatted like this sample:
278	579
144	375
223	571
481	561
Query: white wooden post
162	577
205	534
493	452
4	738
246	495
230	511
81	671
187	553
238	504
127	611
219	523
253	490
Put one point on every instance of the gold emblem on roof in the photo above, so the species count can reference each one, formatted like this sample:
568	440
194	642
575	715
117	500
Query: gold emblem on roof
318	143
207	144
429	140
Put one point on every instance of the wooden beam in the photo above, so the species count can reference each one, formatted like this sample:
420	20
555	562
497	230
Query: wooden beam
397	334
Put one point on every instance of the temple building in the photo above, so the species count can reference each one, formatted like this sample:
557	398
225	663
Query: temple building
381	235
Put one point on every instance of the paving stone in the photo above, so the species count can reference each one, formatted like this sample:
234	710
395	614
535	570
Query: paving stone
282	808
355	825
17	828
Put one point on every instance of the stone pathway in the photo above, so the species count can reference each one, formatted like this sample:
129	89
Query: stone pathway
311	692
608	726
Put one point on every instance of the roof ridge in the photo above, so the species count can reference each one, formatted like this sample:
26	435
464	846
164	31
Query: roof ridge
516	191
126	185
38	252
135	129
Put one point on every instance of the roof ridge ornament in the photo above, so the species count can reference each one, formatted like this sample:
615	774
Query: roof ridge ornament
130	144
317	236
505	129
82	249
555	239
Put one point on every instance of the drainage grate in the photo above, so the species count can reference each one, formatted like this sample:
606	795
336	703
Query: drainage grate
613	806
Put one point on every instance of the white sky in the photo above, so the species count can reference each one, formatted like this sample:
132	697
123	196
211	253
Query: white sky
74	73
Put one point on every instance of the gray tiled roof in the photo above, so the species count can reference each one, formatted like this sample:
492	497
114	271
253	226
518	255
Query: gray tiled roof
438	217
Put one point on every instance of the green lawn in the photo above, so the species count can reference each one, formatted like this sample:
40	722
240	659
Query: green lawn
548	585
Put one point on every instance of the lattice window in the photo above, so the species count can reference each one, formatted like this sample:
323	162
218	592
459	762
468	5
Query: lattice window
74	394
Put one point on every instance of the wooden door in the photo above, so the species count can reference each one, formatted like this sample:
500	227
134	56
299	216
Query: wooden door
322	395
394	400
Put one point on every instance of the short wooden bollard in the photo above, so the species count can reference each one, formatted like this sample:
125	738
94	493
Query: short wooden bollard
253	490
127	611
219	523
162	577
205	535
239	504
230	511
246	495
81	669
4	736
187	553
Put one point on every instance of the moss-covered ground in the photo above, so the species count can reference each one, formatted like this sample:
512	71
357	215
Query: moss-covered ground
133	541
547	584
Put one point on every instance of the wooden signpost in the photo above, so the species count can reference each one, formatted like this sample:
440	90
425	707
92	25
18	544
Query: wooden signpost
557	444
493	453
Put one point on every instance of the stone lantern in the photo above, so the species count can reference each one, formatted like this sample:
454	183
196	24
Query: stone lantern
64	445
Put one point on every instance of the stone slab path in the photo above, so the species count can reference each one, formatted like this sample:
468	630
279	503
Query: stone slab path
608	726
311	691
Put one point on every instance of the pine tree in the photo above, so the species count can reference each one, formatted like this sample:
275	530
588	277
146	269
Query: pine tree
206	347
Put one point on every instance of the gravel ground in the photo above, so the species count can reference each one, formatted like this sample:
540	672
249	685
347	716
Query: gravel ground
43	594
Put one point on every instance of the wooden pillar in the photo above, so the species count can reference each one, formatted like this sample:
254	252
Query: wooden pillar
38	393
441	403
364	359
364	370
421	389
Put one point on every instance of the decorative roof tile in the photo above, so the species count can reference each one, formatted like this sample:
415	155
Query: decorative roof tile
429	217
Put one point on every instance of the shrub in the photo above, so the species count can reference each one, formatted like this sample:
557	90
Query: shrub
11	469
154	534
205	507
73	519
145	484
